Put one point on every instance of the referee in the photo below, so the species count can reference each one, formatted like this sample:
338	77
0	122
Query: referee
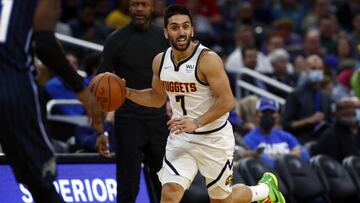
140	132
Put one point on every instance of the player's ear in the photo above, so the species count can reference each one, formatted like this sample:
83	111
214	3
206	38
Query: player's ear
166	34
192	33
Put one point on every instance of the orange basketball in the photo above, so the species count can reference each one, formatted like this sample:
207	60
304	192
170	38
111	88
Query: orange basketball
109	91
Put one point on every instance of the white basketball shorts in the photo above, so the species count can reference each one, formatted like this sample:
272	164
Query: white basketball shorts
211	154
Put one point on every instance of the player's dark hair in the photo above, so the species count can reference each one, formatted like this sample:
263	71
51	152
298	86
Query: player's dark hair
176	10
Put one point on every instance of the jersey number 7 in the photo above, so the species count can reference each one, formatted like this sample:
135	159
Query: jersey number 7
5	13
181	99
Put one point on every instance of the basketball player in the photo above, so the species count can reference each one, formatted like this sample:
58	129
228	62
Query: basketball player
22	134
201	138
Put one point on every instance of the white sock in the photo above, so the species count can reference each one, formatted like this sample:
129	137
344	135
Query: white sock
259	192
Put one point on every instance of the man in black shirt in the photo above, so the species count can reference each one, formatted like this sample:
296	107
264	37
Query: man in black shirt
339	140
307	109
140	132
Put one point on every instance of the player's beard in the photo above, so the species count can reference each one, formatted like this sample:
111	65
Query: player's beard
175	45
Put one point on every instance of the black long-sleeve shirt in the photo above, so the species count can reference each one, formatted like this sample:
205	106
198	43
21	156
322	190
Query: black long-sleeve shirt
338	142
300	104
129	52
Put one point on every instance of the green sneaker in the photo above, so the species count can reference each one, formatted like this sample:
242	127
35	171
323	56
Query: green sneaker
275	195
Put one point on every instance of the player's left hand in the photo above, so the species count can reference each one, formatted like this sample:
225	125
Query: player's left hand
181	125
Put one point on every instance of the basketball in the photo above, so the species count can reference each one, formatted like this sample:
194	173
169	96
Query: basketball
109	91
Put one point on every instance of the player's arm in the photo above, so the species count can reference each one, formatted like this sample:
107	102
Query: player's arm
51	54
48	48
152	97
211	70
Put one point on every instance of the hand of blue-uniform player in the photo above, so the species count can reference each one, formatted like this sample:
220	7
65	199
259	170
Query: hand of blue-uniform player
92	109
181	125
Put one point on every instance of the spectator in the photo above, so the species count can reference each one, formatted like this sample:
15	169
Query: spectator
346	12
344	49
279	60
343	87
208	9
118	17
229	10
355	37
274	41
289	9
158	14
275	142
308	109
249	55
85	26
57	89
246	17
247	111
319	8
204	31
328	33
244	38
340	139
85	136
91	63
285	29
312	44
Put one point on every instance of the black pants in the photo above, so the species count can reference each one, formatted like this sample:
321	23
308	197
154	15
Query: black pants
23	137
137	141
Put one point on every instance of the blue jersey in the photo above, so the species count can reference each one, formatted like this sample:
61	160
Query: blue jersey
16	19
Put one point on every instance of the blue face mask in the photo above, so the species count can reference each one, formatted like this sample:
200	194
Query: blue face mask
315	75
358	115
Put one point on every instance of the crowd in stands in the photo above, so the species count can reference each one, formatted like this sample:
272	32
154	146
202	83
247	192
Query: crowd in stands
312	46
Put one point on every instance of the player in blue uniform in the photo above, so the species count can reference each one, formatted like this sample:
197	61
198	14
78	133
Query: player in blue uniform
22	132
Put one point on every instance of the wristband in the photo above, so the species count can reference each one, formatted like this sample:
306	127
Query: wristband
102	133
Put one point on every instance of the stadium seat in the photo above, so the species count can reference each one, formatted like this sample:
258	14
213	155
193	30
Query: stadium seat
312	147
252	169
352	165
301	180
198	191
336	180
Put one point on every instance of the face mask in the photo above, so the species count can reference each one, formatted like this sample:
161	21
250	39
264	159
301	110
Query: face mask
315	76
267	122
347	120
358	115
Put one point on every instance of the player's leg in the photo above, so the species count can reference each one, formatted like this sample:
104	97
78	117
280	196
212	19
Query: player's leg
157	134
129	143
266	191
178	170
23	137
172	192
214	157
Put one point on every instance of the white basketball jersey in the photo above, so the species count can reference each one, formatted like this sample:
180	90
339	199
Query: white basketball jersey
188	95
